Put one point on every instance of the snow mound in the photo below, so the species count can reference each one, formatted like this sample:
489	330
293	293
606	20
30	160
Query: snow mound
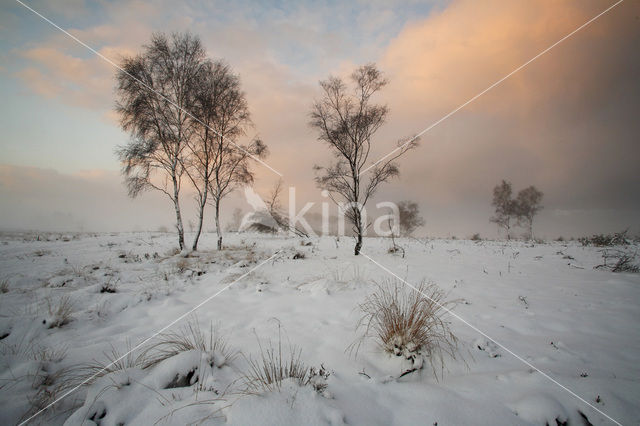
540	408
293	405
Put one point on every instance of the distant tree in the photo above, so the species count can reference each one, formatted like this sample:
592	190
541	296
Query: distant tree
275	210
410	218
346	120
218	164
154	89
505	206
527	205
236	219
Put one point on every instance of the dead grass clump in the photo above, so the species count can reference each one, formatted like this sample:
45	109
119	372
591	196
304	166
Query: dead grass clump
408	323
113	361
268	372
183	264
110	286
49	382
190	337
60	312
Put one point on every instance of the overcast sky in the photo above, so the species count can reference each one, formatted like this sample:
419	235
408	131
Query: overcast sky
567	122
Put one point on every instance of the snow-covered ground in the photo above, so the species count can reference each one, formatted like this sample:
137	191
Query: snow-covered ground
544	302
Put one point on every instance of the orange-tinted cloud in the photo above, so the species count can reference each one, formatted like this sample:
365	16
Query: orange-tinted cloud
546	125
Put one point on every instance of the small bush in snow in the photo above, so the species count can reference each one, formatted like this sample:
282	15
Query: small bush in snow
59	312
408	323
619	261
4	286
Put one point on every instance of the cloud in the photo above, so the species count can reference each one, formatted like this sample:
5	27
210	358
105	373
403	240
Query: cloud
564	123
78	81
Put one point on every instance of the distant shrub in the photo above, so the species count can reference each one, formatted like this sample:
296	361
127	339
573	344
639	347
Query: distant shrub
609	240
130	257
408	323
476	237
262	228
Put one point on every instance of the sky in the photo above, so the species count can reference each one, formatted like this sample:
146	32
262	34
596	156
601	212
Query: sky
566	123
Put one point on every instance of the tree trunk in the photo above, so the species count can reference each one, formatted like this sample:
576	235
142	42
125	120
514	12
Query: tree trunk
199	229
358	244
358	229
203	203
218	230
176	204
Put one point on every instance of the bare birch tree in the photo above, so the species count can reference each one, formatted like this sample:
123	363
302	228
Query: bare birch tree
410	218
218	163
155	89
528	204
346	120
217	84
505	206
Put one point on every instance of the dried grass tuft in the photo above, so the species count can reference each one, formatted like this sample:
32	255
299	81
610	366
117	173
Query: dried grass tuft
408	323
60	311
273	367
113	361
190	337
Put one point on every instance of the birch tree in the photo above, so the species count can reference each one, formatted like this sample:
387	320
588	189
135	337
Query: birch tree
155	89
219	163
346	119
528	204
505	206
